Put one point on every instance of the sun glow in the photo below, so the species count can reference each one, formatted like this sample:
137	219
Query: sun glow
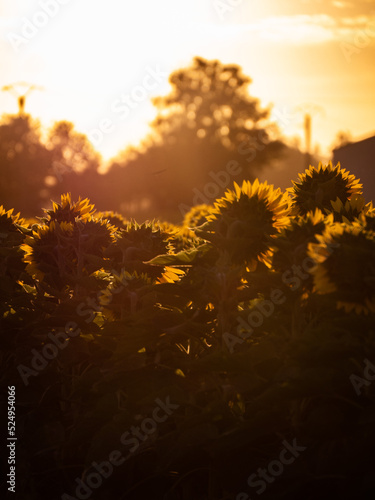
94	61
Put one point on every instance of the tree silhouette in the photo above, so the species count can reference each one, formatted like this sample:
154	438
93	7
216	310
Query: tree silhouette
34	171
25	163
210	100
208	132
342	138
72	148
75	163
208	124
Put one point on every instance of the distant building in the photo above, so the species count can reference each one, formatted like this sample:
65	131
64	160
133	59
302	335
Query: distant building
359	159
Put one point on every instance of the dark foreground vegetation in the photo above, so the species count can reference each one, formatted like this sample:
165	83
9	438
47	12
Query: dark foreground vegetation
229	357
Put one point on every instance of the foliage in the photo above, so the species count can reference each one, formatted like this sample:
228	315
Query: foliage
211	99
252	323
207	121
208	132
33	170
21	145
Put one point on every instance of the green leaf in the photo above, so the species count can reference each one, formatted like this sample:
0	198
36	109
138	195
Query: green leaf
184	257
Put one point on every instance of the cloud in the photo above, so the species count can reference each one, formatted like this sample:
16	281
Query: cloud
300	28
342	5
311	29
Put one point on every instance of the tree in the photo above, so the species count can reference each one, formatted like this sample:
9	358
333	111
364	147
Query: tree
210	99
342	138
72	148
205	123
25	163
33	171
75	162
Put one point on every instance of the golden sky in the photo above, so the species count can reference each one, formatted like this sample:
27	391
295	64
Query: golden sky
100	62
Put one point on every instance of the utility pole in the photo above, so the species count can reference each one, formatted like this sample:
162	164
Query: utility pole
307	126
308	111
16	90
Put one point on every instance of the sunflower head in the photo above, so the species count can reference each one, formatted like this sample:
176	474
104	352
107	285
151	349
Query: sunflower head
197	215
9	224
290	245
130	291
124	294
185	239
12	235
91	238
350	210
168	229
48	253
138	243
367	217
243	221
67	211
318	187
180	237
60	253
344	266
114	218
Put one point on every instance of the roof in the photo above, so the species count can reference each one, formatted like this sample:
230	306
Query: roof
359	159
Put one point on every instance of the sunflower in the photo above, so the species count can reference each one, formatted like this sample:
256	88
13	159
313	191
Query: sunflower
10	228
12	235
168	229
124	293
7	219
114	218
61	252
67	211
170	275
138	243
243	221
48	250
180	237
344	260
290	245
350	210
317	187
90	239
367	217
197	215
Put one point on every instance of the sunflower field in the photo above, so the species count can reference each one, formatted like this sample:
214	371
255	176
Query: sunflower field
226	358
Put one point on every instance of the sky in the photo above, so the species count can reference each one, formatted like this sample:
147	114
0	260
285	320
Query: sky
98	63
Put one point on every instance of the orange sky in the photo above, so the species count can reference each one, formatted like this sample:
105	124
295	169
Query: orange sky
100	62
